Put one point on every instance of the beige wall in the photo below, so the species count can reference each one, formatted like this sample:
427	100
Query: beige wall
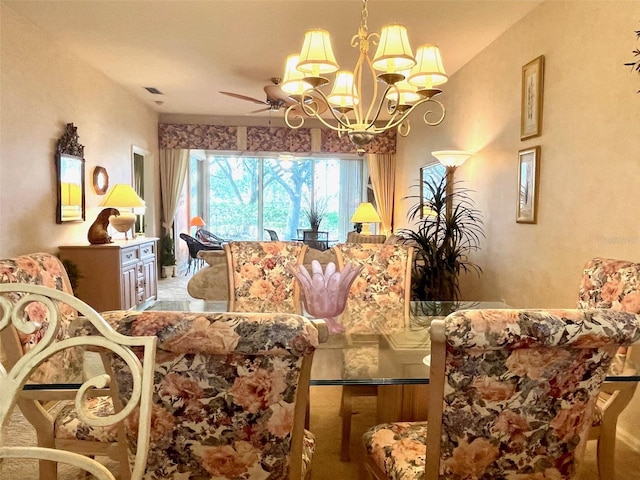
590	171
42	88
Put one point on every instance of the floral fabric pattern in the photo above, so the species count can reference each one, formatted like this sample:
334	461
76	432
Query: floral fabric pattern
225	391
278	139
519	394
47	270
609	283
262	278
67	425
379	297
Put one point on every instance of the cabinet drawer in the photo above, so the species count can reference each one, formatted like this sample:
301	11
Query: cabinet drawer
129	256
147	250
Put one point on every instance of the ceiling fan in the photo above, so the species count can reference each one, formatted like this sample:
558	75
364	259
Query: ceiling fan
276	98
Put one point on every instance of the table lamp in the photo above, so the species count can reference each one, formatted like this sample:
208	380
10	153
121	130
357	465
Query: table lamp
366	214
122	196
197	222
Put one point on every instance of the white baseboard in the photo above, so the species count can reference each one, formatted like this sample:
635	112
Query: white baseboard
629	439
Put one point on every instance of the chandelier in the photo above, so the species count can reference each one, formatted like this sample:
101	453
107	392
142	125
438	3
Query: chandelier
408	82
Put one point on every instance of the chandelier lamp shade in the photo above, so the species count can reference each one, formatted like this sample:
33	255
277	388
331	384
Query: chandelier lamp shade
122	196
408	81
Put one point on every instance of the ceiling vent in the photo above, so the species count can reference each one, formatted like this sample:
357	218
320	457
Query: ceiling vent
153	90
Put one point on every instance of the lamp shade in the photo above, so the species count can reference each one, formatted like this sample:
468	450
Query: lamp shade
316	56
122	195
429	71
365	213
292	81
394	52
344	93
451	158
196	222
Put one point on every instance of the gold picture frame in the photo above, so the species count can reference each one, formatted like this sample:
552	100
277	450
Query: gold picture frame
532	94
528	179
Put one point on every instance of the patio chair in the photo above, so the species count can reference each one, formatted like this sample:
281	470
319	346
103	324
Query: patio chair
378	301
615	284
316	239
260	279
207	237
194	247
64	433
273	235
512	395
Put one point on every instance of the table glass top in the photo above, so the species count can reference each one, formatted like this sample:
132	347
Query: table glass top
399	357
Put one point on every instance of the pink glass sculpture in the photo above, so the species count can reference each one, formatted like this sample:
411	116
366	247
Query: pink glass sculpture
324	294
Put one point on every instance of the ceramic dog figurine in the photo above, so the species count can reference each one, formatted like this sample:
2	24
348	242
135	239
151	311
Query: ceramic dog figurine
98	233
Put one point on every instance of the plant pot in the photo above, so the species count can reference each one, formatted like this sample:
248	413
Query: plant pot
168	271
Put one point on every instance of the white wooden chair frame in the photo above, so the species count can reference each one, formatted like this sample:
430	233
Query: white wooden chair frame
15	373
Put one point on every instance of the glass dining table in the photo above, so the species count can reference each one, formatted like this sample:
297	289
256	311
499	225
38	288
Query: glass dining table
397	362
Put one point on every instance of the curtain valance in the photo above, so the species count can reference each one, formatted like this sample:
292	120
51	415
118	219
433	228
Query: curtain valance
265	139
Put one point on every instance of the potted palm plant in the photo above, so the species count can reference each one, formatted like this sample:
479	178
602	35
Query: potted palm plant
448	227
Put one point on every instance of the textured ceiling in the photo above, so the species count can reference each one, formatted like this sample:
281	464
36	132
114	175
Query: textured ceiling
190	50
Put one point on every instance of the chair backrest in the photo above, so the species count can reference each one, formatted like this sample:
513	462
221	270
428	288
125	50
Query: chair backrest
206	236
609	283
273	235
231	392
355	237
194	245
516	389
19	303
379	298
47	270
260	279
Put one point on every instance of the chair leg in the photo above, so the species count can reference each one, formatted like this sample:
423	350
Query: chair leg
346	410
606	451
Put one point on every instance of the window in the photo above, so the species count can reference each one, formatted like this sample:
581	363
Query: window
240	196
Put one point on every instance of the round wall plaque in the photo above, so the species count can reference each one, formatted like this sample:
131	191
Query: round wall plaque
100	180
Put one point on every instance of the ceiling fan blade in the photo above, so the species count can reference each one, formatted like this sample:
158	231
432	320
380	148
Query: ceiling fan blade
258	111
244	97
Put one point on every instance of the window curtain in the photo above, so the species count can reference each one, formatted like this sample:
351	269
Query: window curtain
174	164
353	189
383	180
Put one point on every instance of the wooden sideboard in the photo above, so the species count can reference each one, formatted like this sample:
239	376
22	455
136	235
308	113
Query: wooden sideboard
115	276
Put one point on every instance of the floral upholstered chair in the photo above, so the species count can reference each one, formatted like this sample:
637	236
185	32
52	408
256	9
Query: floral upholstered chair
22	306
378	301
512	396
615	284
59	424
260	279
230	393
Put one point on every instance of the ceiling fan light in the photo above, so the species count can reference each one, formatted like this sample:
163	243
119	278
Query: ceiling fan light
429	70
292	81
316	56
344	93
394	51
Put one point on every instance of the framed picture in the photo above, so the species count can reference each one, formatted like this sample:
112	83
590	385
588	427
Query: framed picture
432	173
528	167
531	109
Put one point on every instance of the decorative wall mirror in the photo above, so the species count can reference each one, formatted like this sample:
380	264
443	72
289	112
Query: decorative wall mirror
70	206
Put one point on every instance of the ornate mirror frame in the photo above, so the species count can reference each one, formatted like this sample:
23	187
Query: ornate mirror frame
70	206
